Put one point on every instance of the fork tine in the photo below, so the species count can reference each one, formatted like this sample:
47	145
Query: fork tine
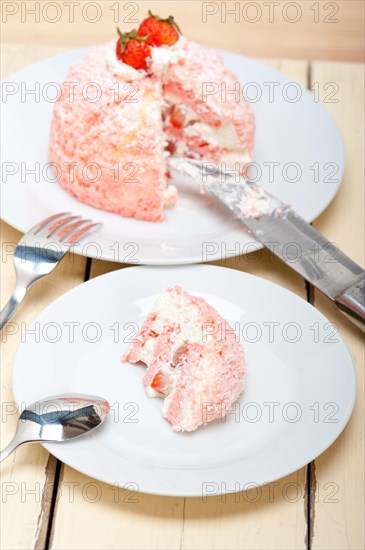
62	233
84	232
56	226
41	225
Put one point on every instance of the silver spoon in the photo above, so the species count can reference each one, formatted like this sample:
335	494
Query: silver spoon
58	418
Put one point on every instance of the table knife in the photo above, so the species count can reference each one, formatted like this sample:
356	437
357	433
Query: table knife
278	227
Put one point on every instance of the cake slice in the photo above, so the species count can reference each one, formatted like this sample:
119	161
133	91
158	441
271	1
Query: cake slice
193	359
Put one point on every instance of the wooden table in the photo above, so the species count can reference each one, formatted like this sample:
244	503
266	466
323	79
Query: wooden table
46	504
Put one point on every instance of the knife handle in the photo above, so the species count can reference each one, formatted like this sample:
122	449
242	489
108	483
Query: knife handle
352	304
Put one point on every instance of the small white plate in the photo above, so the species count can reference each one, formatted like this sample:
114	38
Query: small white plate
299	394
295	137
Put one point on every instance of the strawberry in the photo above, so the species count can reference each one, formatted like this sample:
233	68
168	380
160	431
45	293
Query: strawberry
160	31
132	49
177	117
161	383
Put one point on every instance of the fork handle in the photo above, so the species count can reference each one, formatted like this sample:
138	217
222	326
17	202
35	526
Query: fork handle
12	304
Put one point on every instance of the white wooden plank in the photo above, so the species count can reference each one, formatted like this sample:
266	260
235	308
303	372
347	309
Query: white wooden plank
339	509
304	29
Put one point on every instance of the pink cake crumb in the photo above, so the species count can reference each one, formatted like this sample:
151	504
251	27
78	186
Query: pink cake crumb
193	359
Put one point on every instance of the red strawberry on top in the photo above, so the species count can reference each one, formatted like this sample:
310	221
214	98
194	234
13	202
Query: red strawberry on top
132	49
160	31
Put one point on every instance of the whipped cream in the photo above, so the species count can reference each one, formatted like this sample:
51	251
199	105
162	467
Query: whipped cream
223	136
118	68
169	196
256	203
236	157
163	56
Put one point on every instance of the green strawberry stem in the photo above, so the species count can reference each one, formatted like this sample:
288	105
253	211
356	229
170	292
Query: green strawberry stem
131	35
170	19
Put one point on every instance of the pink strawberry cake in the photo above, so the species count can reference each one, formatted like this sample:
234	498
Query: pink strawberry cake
127	106
193	359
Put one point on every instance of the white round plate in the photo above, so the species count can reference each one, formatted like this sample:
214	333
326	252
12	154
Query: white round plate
300	137
299	394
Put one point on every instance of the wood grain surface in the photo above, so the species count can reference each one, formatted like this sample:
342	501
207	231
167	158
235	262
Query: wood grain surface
305	29
49	505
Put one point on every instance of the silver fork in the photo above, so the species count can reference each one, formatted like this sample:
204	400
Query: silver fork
41	249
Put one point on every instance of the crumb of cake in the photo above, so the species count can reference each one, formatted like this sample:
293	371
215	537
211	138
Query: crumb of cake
193	358
170	196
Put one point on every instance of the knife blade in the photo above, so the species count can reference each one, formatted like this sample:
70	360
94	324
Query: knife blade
286	234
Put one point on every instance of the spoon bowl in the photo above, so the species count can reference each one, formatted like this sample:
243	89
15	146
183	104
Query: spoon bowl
59	418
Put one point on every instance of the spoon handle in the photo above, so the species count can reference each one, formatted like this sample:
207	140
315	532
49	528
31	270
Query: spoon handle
10	448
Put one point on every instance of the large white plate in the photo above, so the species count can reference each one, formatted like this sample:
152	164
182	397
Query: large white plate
310	380
289	133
